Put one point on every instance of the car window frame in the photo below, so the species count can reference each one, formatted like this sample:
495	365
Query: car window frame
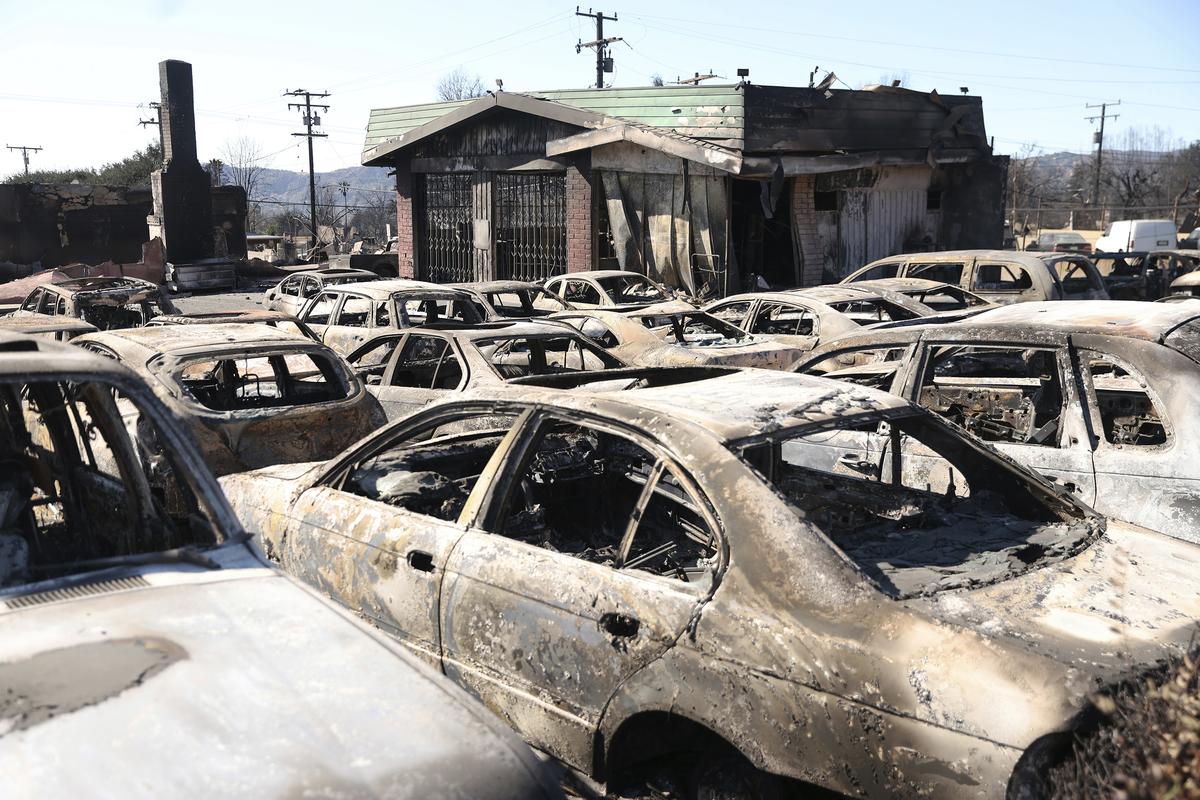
1033	286
793	304
1092	412
393	361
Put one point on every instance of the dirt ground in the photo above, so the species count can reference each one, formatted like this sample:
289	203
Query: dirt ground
247	299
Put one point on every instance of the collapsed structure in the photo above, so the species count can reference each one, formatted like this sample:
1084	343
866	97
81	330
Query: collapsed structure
695	185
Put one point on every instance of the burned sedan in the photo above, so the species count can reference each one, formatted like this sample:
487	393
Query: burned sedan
750	576
514	299
292	293
108	303
613	289
1099	397
151	654
253	395
676	335
406	370
346	316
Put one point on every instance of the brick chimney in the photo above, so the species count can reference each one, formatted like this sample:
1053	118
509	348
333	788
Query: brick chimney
182	188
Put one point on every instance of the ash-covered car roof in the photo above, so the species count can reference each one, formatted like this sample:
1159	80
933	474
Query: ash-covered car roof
736	405
1131	318
46	323
496	286
382	290
24	356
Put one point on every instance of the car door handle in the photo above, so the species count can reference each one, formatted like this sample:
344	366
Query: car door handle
621	625
420	560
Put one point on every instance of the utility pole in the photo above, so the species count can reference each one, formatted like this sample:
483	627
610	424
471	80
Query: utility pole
604	62
25	151
1098	138
310	119
156	107
695	79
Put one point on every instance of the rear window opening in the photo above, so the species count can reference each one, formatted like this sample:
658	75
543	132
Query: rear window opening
693	329
525	356
630	289
917	509
279	380
868	312
1128	415
524	303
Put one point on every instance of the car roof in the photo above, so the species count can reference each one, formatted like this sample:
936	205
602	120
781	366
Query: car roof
335	272
737	405
1129	318
246	317
46	323
383	289
25	356
902	284
185	339
1020	256
495	286
102	283
604	273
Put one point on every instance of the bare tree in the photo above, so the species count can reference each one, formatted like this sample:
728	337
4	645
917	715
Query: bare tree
656	80
458	85
243	159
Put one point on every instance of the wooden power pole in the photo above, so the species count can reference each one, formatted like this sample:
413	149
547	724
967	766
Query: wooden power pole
25	151
604	62
1098	138
310	120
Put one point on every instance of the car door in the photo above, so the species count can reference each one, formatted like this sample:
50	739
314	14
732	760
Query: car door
375	531
1143	474
581	294
1023	400
319	311
585	564
735	312
788	323
426	367
350	323
288	297
1005	282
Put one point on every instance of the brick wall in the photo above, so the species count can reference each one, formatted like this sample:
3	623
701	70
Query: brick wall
405	232
804	230
580	228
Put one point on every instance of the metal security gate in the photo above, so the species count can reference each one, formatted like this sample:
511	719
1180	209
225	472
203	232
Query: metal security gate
531	225
446	249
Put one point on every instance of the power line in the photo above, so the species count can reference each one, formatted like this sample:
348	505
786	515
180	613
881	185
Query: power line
25	151
809	34
310	119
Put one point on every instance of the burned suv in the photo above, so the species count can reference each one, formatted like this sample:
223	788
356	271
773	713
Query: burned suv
108	303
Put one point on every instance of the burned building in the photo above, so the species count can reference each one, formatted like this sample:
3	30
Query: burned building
690	184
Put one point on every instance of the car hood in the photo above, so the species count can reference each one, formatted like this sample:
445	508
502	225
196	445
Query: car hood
1114	609
184	682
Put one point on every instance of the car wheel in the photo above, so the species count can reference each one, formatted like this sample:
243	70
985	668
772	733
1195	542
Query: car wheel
727	775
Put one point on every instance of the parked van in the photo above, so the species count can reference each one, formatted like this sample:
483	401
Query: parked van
1125	235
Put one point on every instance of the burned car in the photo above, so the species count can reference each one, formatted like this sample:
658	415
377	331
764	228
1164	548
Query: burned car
1098	397
106	302
274	319
613	289
676	335
292	293
129	635
998	276
346	316
253	395
751	573
514	299
938	296
803	318
1148	275
409	369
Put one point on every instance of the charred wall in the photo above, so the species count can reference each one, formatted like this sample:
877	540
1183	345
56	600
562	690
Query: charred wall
972	203
56	225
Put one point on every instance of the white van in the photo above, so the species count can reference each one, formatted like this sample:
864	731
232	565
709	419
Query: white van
1131	235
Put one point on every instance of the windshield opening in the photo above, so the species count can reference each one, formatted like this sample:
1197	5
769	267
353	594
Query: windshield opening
279	380
917	508
693	329
630	289
523	356
75	489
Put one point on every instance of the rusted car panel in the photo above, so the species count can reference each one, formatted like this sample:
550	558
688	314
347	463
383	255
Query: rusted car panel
346	316
998	276
406	370
292	293
252	395
514	299
667	336
108	303
672	567
614	289
1098	396
171	629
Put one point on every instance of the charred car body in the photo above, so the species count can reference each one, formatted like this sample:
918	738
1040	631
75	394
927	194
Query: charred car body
253	395
346	316
108	303
1148	275
514	299
669	336
613	289
409	369
273	319
113	613
628	575
1098	397
998	276
292	293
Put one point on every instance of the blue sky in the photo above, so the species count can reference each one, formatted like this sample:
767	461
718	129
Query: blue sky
72	74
